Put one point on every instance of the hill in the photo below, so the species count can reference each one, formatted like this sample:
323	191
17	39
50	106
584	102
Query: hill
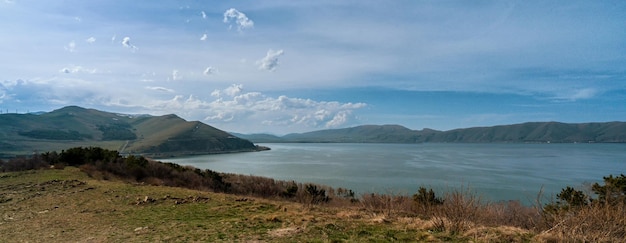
530	132
74	126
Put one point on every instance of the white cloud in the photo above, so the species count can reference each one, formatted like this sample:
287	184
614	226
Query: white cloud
203	14
176	75
270	61
71	47
210	70
91	40
240	19
339	119
577	94
126	43
77	69
232	105
584	94
231	91
234	90
157	88
204	37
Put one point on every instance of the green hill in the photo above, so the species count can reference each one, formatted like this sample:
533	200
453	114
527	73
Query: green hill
73	126
531	132
360	134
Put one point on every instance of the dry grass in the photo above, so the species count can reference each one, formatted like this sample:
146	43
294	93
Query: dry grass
600	222
68	206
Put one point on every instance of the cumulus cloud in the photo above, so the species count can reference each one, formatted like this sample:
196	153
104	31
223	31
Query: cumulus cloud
126	43
210	70
91	40
234	105
71	47
204	37
239	18
231	91
203	14
270	61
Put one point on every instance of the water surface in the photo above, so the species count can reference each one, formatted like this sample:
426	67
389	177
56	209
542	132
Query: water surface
495	171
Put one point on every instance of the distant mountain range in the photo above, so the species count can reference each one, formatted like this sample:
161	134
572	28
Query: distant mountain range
74	126
170	135
530	132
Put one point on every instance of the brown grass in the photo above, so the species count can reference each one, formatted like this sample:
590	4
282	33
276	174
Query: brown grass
598	222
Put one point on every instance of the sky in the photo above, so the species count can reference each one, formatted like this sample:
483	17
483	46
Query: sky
290	66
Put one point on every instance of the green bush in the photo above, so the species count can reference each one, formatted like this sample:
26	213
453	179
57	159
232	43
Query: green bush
426	197
290	191
613	190
317	195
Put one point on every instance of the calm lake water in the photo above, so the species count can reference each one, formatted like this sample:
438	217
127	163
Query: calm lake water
495	171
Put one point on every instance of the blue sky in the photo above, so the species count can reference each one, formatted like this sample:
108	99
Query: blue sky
295	66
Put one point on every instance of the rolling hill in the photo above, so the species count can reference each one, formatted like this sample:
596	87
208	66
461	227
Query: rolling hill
530	132
73	126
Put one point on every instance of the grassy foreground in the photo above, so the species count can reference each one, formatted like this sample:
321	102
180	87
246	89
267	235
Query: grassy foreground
69	206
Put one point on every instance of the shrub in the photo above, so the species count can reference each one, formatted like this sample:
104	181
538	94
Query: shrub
425	200
613	190
347	194
316	195
290	191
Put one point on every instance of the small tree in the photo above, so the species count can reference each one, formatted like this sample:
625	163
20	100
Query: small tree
567	199
290	191
317	195
613	190
426	197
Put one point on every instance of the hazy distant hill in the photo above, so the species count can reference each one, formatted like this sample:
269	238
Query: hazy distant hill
75	126
531	132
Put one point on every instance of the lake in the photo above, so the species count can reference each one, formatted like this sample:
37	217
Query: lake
494	171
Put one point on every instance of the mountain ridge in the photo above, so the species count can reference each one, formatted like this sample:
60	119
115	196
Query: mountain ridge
528	132
154	136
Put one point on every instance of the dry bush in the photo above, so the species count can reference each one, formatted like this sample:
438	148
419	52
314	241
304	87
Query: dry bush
598	222
497	234
388	204
24	163
255	185
509	213
459	211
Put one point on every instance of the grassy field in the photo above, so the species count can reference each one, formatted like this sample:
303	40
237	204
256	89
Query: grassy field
67	205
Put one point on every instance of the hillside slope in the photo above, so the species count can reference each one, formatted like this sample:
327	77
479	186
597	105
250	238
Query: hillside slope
150	135
531	132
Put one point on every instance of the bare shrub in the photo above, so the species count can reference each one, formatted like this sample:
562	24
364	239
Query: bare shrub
255	185
24	163
461	210
510	213
388	204
599	222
